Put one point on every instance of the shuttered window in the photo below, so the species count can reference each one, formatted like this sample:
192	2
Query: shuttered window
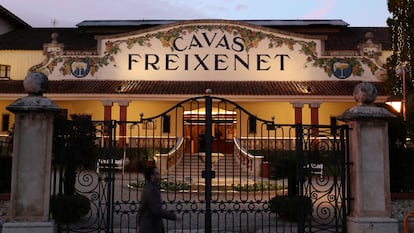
5	72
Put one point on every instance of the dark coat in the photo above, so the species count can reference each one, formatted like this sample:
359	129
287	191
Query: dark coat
151	212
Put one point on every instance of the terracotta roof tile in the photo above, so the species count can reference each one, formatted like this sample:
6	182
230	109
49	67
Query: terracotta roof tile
241	88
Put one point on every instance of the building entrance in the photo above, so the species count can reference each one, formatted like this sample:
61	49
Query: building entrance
222	132
222	138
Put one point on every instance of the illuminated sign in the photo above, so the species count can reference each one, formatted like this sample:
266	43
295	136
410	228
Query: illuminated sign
209	50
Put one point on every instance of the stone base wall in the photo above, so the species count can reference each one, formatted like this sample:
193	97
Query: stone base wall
4	208
399	208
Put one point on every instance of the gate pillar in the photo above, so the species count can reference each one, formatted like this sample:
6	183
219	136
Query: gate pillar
370	209
32	154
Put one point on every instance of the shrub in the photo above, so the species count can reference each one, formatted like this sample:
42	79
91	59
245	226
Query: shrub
259	186
5	173
74	147
138	157
174	186
291	208
165	185
401	175
69	208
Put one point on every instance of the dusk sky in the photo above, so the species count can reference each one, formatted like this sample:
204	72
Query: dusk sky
67	13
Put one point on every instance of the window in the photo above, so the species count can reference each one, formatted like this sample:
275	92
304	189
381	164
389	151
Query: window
166	123
252	124
5	72
5	122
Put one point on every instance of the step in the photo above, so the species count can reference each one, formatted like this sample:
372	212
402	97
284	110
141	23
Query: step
192	166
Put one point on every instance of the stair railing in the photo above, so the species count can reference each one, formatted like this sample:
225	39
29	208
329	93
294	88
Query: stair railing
247	161
168	161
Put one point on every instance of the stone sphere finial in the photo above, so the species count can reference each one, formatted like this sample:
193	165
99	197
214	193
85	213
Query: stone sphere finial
209	91
365	93
35	83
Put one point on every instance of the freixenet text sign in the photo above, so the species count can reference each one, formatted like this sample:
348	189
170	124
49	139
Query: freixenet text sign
206	50
231	55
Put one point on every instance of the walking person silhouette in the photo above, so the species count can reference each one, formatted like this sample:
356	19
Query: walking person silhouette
150	211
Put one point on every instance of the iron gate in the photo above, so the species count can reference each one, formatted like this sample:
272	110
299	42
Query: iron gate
223	169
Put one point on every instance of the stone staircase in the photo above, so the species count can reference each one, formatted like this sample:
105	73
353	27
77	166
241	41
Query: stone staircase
191	166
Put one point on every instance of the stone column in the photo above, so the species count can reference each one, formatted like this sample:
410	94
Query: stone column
107	118
370	185
314	117
298	112
32	155
107	109
123	106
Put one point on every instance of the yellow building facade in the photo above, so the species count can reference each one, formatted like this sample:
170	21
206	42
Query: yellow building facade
288	76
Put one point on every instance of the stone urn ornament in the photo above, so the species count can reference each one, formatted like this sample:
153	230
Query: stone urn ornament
36	83
365	95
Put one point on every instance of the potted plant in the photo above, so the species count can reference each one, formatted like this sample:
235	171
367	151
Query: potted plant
291	208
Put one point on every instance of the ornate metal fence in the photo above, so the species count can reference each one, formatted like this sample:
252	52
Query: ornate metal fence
223	170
